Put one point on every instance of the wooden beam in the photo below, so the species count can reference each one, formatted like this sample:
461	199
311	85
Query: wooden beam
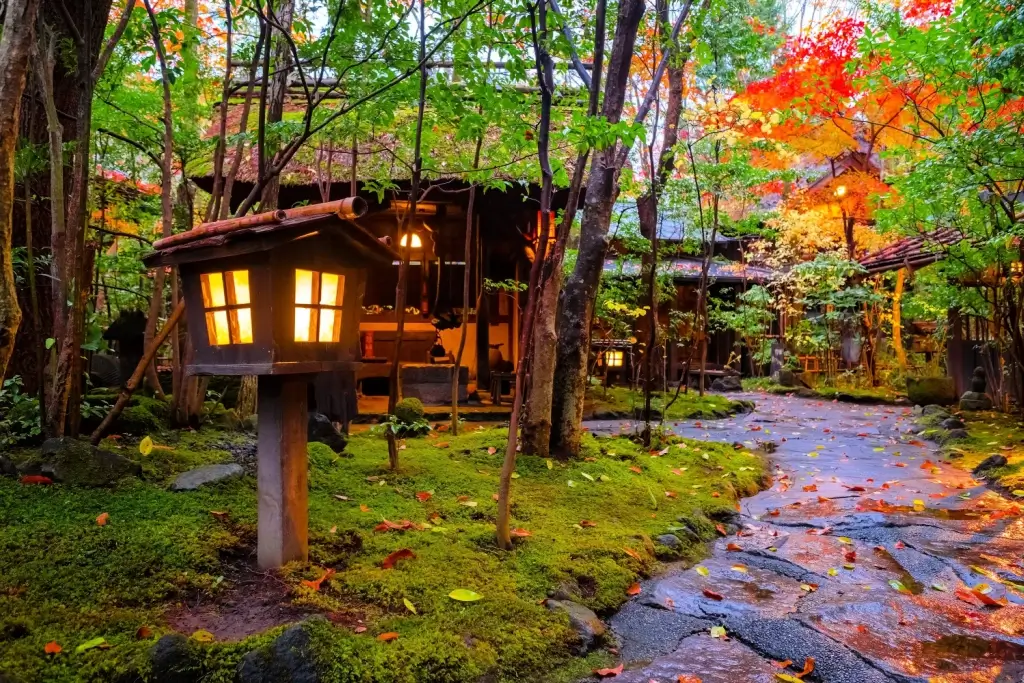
283	521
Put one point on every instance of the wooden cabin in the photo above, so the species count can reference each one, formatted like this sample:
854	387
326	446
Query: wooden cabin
505	222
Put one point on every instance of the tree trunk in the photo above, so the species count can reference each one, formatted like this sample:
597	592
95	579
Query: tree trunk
394	377
536	438
577	302
546	77
282	68
897	319
15	48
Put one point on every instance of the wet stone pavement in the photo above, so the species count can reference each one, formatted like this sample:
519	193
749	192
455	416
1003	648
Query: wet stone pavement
866	554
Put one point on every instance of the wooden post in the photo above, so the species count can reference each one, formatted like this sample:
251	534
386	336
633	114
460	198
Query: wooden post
281	479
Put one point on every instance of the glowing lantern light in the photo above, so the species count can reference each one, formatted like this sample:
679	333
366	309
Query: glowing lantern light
417	243
613	358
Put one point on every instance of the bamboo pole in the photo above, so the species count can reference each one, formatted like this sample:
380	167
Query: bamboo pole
140	371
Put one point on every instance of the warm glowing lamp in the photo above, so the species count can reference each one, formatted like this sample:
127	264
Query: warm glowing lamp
841	191
277	295
417	243
614	358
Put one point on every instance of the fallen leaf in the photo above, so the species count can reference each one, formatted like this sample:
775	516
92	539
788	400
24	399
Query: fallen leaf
587	523
685	678
360	629
520	533
491	450
143	633
808	667
92	644
717	632
52	648
424	496
36	479
391	560
609	672
634	589
465	595
898	586
103	519
387	637
808	587
703	571
810	488
146	446
364	508
708	593
733	548
316	583
443	444
409	606
636	469
632	553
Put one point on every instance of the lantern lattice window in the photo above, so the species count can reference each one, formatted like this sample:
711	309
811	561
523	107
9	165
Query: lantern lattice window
227	304
318	298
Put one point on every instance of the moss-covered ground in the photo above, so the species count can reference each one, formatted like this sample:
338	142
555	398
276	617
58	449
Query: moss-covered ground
65	578
682	406
845	394
992	433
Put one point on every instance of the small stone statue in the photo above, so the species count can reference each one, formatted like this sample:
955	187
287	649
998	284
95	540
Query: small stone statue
976	398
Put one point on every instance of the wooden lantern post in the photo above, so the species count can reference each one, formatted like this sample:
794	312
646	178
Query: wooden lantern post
281	480
278	295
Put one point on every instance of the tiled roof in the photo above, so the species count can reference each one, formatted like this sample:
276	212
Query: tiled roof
285	224
914	252
689	270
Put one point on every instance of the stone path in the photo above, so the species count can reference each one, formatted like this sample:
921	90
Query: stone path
865	555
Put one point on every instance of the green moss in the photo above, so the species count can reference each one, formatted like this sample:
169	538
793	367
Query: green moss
625	402
409	410
845	394
992	433
64	578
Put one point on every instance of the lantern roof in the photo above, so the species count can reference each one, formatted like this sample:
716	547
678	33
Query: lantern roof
266	231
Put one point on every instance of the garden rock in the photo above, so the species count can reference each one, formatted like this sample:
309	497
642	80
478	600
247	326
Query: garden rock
933	409
173	659
953	435
952	423
582	620
669	541
974	400
787	378
251	423
729	383
72	461
288	658
320	429
7	468
210	474
992	462
926	391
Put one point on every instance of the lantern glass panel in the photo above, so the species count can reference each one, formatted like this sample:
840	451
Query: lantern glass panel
613	359
226	298
318	298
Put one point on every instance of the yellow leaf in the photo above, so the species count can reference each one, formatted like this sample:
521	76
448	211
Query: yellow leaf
409	606
202	636
146	446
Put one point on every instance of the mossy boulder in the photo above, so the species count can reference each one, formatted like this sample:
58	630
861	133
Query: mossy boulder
320	429
288	658
72	461
924	391
409	410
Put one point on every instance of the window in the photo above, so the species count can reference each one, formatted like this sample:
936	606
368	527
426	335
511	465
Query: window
318	298
227	304
613	358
